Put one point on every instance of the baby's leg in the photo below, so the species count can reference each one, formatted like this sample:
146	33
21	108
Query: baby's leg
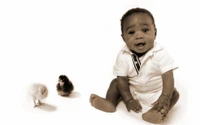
174	99
153	116
109	103
101	103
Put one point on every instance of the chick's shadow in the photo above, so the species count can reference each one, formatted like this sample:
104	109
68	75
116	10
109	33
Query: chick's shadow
47	107
75	95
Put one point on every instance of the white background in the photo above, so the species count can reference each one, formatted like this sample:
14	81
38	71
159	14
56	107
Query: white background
42	39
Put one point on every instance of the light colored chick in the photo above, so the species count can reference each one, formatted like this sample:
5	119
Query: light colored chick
38	92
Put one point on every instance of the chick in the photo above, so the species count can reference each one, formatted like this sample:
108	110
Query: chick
38	92
64	86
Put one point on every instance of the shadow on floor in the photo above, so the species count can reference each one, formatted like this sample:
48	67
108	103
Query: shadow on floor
47	107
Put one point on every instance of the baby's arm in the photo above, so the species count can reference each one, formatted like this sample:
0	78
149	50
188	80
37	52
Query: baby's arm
168	83
123	86
168	87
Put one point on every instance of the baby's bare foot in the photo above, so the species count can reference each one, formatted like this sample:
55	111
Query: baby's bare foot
153	116
101	103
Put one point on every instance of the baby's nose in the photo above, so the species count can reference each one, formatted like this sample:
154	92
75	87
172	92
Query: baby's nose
139	35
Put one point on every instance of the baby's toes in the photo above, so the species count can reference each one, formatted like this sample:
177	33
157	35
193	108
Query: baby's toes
92	98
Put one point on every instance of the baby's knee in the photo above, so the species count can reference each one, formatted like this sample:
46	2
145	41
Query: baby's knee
176	94
114	82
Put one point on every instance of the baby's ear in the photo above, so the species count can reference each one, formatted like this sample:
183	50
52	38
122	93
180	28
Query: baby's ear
155	32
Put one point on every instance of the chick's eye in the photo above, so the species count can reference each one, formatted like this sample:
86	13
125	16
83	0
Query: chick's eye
131	32
145	30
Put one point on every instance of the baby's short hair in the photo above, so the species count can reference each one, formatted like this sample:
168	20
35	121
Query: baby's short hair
136	10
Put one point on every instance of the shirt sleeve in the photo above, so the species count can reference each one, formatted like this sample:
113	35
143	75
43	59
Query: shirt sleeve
120	67
165	61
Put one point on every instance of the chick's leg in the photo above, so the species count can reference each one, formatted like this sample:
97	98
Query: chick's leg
35	104
39	103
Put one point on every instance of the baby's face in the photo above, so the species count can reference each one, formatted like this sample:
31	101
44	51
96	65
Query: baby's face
139	32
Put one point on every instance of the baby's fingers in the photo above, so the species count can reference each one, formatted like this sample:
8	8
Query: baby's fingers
164	110
160	106
157	107
128	109
138	107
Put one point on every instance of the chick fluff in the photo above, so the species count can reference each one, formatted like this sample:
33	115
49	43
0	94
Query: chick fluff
64	86
38	92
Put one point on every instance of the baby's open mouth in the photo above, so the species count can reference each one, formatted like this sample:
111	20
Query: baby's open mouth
140	44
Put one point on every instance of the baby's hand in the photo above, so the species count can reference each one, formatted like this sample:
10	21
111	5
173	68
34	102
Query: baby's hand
162	104
133	105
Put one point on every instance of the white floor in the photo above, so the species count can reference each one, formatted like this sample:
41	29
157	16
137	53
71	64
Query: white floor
17	107
41	40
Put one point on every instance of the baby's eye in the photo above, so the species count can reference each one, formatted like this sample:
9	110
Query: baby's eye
131	32
145	30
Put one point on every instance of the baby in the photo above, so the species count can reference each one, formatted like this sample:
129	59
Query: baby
143	69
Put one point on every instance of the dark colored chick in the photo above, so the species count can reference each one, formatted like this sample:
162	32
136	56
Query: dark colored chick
64	86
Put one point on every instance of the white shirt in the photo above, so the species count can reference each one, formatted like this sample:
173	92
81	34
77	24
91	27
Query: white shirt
153	64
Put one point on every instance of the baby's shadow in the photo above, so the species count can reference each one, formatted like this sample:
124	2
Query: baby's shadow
47	107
